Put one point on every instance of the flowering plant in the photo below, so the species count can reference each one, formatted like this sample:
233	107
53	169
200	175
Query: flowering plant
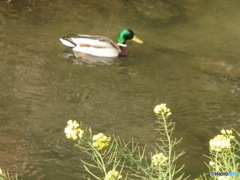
118	159
223	155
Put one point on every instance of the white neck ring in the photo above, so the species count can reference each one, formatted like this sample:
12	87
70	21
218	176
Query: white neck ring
123	45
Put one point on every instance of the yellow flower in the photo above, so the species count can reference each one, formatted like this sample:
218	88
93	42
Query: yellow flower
162	109
211	163
100	141
73	131
159	159
223	131
112	175
73	123
221	141
214	165
227	132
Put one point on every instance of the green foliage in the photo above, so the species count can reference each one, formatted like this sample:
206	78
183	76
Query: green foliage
4	175
113	158
223	156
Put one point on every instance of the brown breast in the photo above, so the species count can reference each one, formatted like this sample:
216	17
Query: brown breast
123	52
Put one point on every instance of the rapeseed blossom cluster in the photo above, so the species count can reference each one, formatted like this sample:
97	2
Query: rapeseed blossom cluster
73	131
113	175
100	141
221	141
162	109
159	160
214	165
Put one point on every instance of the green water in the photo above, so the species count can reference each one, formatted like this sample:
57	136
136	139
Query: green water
189	60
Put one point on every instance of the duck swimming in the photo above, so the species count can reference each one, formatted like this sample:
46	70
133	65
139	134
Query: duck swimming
99	45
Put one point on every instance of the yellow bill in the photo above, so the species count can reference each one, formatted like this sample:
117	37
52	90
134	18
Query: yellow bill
136	39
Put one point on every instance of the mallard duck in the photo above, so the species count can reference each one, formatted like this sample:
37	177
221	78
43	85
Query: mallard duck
99	45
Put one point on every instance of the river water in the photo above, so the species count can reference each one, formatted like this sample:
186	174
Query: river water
189	60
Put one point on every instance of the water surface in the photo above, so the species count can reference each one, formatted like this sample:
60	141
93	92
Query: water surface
189	60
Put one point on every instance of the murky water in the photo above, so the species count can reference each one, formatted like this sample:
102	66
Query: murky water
189	60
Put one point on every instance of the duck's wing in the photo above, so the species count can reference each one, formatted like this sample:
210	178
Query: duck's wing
92	45
93	41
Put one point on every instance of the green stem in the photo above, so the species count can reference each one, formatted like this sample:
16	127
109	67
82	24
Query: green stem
169	147
134	161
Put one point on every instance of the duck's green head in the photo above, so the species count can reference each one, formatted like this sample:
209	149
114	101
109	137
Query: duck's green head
127	34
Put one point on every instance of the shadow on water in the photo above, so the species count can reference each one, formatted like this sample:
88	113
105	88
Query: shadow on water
189	60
